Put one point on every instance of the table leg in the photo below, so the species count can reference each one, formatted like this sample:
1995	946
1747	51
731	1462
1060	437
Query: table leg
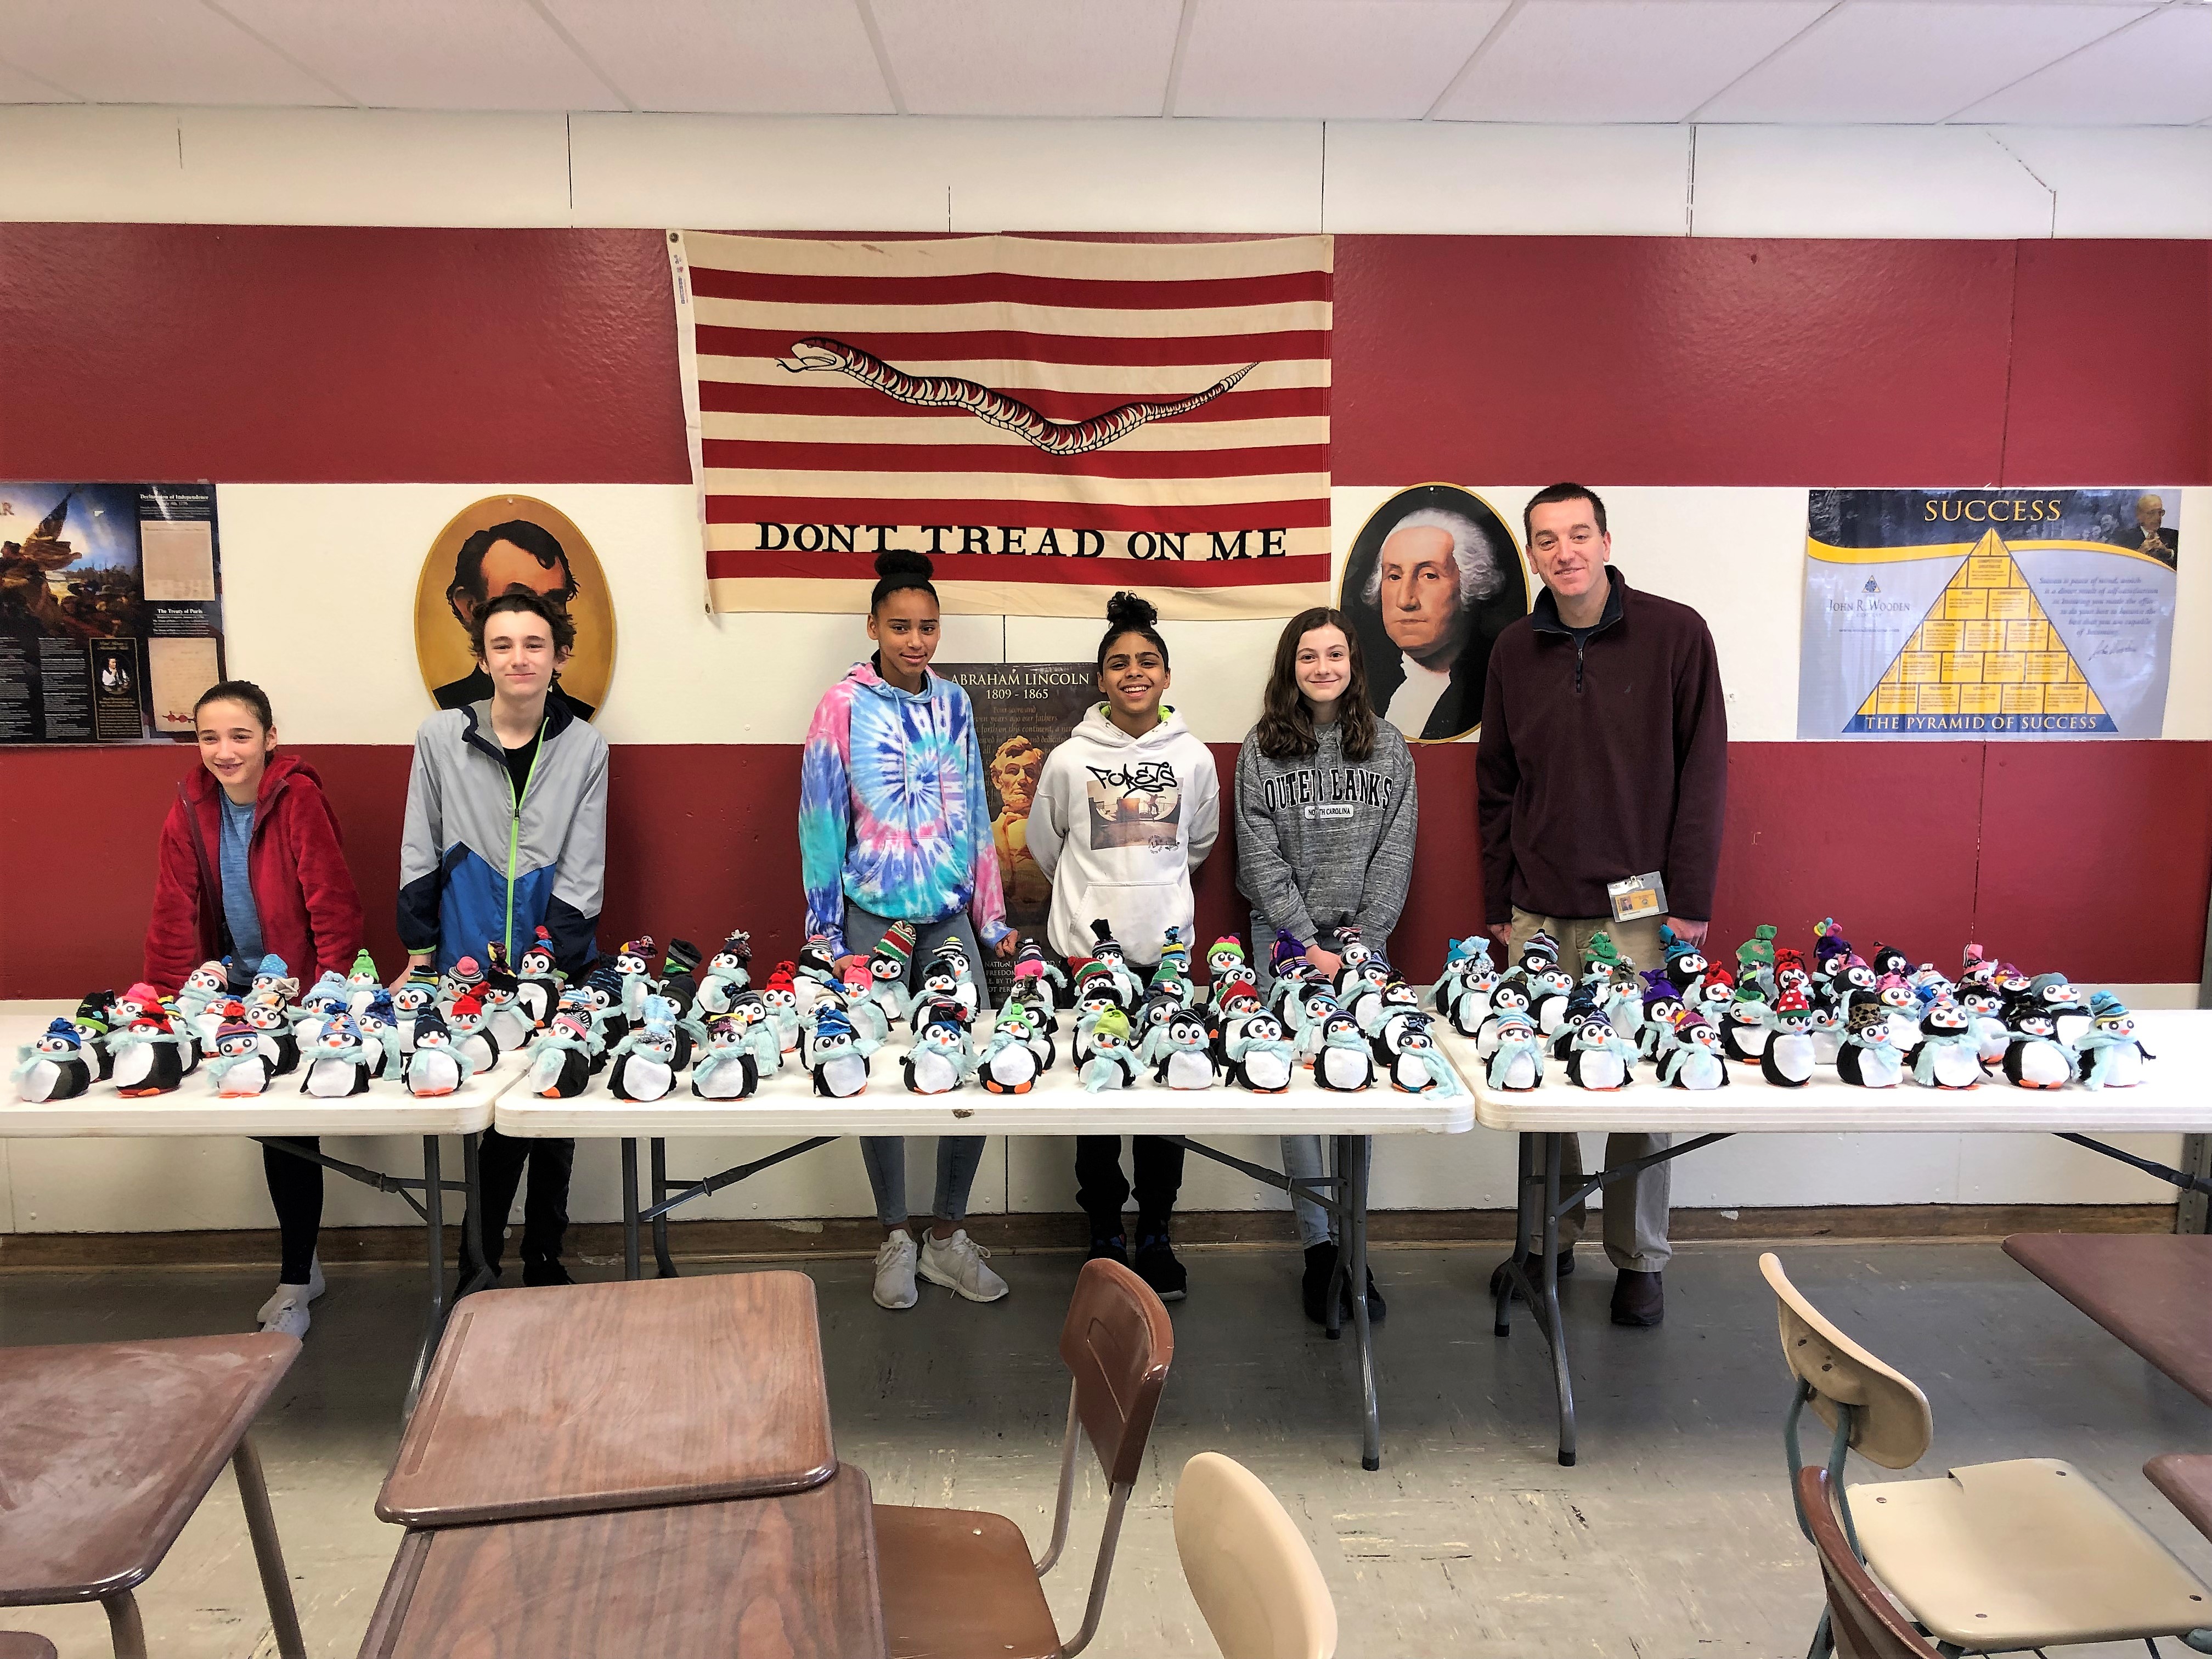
1333	1298
268	1554
660	1196
631	1268
1354	1155
1555	1326
434	1227
1526	1186
123	1626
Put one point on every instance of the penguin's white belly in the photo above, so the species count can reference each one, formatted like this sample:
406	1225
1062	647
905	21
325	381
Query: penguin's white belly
134	1066
1956	1067
331	1080
1990	1034
1702	1070
2123	1066
1903	1030
847	1074
1551	1015
249	1077
934	1074
207	1023
1794	1056
1826	1046
2043	1064
1262	1070
646	1079
1013	1065
725	1081
2070	1028
507	1027
1752	1039
1346	1068
1881	1068
479	1052
405	1027
1486	1040
1408	1072
1600	1068
809	992
715	997
357	1001
545	1071
441	1074
1469	1012
40	1081
1520	1073
265	1046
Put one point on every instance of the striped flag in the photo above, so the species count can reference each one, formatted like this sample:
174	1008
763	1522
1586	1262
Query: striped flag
1048	419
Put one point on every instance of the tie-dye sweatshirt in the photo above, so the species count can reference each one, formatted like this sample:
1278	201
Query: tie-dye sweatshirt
891	810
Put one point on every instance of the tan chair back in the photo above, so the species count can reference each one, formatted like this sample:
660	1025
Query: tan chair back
1891	1424
1117	1342
1249	1567
1863	1622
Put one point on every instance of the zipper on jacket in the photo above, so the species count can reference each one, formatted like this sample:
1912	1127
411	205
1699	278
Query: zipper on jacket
515	828
1578	665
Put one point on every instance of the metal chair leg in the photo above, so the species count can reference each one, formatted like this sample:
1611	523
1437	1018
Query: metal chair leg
267	1553
123	1626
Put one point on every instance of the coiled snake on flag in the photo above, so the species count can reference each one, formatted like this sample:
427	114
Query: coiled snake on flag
945	390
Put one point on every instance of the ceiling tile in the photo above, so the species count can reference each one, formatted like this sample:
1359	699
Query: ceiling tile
742	57
1343	59
17	87
1585	61
1026	57
2158	72
1910	60
150	52
432	54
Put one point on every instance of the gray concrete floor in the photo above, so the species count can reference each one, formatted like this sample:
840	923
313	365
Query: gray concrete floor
1672	1538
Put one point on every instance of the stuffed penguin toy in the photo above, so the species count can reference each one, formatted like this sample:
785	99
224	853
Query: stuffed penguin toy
2070	1019
508	1025
362	982
1110	1064
280	1050
537	983
1038	982
1694	1059
1096	996
417	992
336	1064
1869	1057
1663	1008
938	1061
1517	1064
1827	1016
238	1070
1744	1031
52	1067
1010	1063
562	1060
1687	965
643	1069
1461	993
603	997
1755	960
436	1066
1946	1056
1600	1058
727	973
940	982
2111	1055
1789	1054
679	976
1177	1049
1225	961
1550	988
1240	1000
380	1034
465	1019
200	1000
1261	1057
150	1057
1538	951
633	962
1984	1010
1419	1068
2036	1058
839	1058
1388	1016
1581	1005
1509	1000
727	1070
1343	1061
94	1017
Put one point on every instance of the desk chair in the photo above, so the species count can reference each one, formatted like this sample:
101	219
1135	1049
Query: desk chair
1865	1622
1249	1570
959	1583
2027	1553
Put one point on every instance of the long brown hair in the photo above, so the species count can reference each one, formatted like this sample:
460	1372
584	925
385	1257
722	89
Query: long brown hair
1287	726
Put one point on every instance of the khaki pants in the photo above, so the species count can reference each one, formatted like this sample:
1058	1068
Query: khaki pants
1635	1210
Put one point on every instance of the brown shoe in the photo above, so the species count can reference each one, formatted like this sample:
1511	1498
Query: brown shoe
1638	1299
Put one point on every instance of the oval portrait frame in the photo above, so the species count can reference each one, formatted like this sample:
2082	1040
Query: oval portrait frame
1509	603
441	641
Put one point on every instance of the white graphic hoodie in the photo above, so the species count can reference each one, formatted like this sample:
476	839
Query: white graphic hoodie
1119	823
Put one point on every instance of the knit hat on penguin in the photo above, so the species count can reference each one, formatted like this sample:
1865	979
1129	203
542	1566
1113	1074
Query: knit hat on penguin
379	1004
431	1024
607	978
343	1026
1540	944
63	1032
1788	958
1229	945
1028	961
1792	1002
1287	950
1677	948
640	947
467	974
542	940
781	979
1175	952
1114	1024
469	1006
1103	942
1759	949
897	945
1829	943
1657	987
272	967
738	946
683	957
1600	948
364	965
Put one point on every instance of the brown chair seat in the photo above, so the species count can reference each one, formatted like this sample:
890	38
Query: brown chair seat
959	1584
23	1644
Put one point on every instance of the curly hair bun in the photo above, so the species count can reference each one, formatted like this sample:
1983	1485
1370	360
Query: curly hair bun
1125	611
903	562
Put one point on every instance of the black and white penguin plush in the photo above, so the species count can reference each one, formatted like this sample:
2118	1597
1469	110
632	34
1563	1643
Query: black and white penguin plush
279	1050
1262	1057
1869	1057
727	1070
562	1060
2036	1059
1791	1053
1179	1053
839	1056
238	1070
644	1066
435	1066
1510	1000
937	1062
337	1065
1600	1058
466	1020
53	1067
1343	1063
1695	1060
1010	1062
148	1057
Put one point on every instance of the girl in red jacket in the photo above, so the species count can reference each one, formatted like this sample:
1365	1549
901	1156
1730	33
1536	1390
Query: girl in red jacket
251	867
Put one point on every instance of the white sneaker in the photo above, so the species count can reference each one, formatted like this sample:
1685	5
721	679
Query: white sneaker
956	1263
293	1295
895	1272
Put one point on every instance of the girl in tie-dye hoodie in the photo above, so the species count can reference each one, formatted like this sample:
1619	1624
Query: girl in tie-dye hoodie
893	827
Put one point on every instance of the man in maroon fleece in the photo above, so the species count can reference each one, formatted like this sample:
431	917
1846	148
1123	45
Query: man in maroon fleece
1603	757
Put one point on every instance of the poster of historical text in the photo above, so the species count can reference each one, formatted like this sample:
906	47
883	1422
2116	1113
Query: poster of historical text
111	610
1047	420
1982	613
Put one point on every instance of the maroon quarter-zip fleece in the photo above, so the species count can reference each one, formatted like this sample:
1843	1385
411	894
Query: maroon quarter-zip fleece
1601	759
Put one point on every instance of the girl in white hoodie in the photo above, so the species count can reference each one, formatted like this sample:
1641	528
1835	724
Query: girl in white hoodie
1126	809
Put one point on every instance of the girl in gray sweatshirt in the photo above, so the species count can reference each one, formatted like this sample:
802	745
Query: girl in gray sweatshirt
1326	808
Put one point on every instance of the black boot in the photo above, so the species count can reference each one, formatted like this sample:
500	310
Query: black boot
1107	1242
1156	1263
1320	1266
543	1270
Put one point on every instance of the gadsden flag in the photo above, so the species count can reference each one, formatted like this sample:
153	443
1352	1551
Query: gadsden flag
1048	419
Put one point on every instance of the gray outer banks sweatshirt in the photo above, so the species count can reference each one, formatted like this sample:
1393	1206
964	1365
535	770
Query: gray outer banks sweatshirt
1322	841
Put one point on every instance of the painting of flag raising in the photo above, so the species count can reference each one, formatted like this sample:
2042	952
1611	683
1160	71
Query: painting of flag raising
1047	420
2044	613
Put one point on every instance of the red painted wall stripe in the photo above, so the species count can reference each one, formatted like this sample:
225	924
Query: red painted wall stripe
2095	861
1005	457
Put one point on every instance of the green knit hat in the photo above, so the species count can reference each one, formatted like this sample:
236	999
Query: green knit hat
897	945
364	965
1759	948
1112	1022
1600	948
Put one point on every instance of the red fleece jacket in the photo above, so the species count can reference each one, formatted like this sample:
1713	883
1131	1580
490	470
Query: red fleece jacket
295	863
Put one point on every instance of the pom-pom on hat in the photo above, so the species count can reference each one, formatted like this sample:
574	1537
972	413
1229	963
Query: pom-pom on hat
1759	948
739	944
1174	948
542	940
467	974
897	945
233	1022
1828	940
1788	956
781	979
1721	977
63	1032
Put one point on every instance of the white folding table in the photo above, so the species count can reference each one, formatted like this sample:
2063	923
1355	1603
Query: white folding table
281	1117
787	1105
2175	1097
